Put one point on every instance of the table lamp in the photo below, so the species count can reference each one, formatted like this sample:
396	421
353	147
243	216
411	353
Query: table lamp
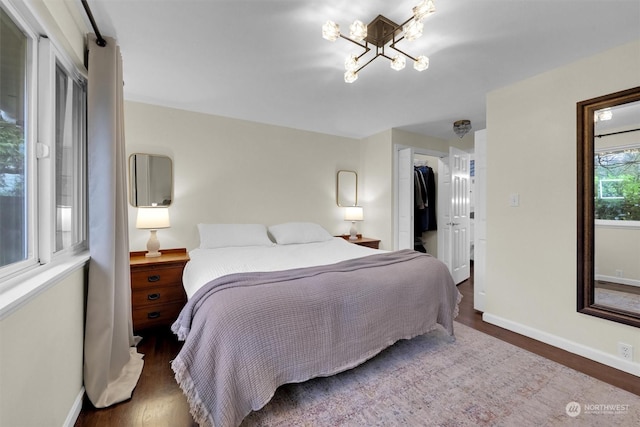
153	218
353	214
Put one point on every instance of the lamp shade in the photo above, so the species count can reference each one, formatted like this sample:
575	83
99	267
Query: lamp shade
354	213
152	218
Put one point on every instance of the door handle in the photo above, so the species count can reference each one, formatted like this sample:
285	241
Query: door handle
453	223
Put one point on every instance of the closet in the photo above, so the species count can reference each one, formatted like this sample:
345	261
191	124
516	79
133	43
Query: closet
450	241
425	226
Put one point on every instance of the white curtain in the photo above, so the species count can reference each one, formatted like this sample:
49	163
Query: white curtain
112	365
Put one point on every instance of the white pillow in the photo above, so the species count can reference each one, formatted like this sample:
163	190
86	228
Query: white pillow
299	232
224	235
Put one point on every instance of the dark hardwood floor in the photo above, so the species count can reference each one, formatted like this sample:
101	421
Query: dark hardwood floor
158	401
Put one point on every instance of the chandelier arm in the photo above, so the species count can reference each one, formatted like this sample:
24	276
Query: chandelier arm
370	61
393	46
355	42
406	22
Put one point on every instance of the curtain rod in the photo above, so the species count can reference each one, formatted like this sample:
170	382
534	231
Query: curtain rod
100	41
617	133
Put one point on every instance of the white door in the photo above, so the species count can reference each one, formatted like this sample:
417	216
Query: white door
405	199
453	214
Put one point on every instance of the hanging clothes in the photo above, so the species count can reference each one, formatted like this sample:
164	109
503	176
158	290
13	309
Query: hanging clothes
425	200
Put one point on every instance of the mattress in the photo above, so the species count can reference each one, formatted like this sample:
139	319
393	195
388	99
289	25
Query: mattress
210	264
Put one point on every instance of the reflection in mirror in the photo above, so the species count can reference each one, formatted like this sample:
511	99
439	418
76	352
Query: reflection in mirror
347	188
609	207
617	207
150	179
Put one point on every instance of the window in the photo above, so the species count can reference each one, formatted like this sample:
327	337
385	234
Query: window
42	149
70	121
617	184
14	229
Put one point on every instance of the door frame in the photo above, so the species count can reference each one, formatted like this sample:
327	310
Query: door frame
396	181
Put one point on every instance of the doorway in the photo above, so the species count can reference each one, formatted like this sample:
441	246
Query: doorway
450	243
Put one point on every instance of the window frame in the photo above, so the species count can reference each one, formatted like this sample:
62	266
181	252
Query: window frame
612	223
43	56
31	130
50	59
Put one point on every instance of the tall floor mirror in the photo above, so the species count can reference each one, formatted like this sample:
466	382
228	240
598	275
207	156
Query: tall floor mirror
609	206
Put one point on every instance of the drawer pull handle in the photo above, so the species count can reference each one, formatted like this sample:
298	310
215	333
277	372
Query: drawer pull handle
153	278
153	315
153	297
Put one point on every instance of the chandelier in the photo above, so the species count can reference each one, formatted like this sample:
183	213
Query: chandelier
461	127
380	32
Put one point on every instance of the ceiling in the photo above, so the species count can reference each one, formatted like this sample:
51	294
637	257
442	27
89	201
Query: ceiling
266	61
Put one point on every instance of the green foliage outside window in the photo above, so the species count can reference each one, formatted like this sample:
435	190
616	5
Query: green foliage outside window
11	159
617	185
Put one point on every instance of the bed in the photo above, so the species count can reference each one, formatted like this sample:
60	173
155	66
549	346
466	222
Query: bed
289	303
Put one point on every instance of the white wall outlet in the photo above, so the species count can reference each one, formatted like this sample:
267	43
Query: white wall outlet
618	273
625	351
514	200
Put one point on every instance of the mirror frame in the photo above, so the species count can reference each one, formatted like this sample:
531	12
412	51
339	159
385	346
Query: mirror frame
355	198
585	204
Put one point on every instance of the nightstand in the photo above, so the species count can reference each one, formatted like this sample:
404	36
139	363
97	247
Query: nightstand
157	295
363	241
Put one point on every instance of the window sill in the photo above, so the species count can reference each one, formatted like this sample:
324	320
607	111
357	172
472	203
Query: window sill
21	289
630	225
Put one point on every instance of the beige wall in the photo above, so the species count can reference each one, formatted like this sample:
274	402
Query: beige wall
41	356
531	249
63	22
617	248
229	170
235	171
377	195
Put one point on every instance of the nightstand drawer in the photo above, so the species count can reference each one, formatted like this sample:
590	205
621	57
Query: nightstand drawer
363	241
157	295
157	315
370	244
154	277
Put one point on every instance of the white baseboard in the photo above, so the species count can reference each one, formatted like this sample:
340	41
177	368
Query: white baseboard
570	346
74	411
620	280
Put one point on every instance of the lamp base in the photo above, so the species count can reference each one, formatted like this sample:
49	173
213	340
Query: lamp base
353	233
153	244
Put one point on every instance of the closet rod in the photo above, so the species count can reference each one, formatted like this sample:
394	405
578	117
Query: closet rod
617	133
100	41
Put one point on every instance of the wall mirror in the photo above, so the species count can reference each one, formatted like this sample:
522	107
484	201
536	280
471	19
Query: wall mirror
609	206
347	188
150	180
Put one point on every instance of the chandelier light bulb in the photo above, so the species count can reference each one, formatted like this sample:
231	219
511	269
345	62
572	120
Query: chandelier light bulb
423	9
358	31
398	62
413	30
351	63
421	63
330	31
350	76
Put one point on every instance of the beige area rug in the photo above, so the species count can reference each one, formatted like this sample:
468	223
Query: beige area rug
623	300
477	380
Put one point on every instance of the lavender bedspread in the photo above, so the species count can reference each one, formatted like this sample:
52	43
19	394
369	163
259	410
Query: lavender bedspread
248	333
